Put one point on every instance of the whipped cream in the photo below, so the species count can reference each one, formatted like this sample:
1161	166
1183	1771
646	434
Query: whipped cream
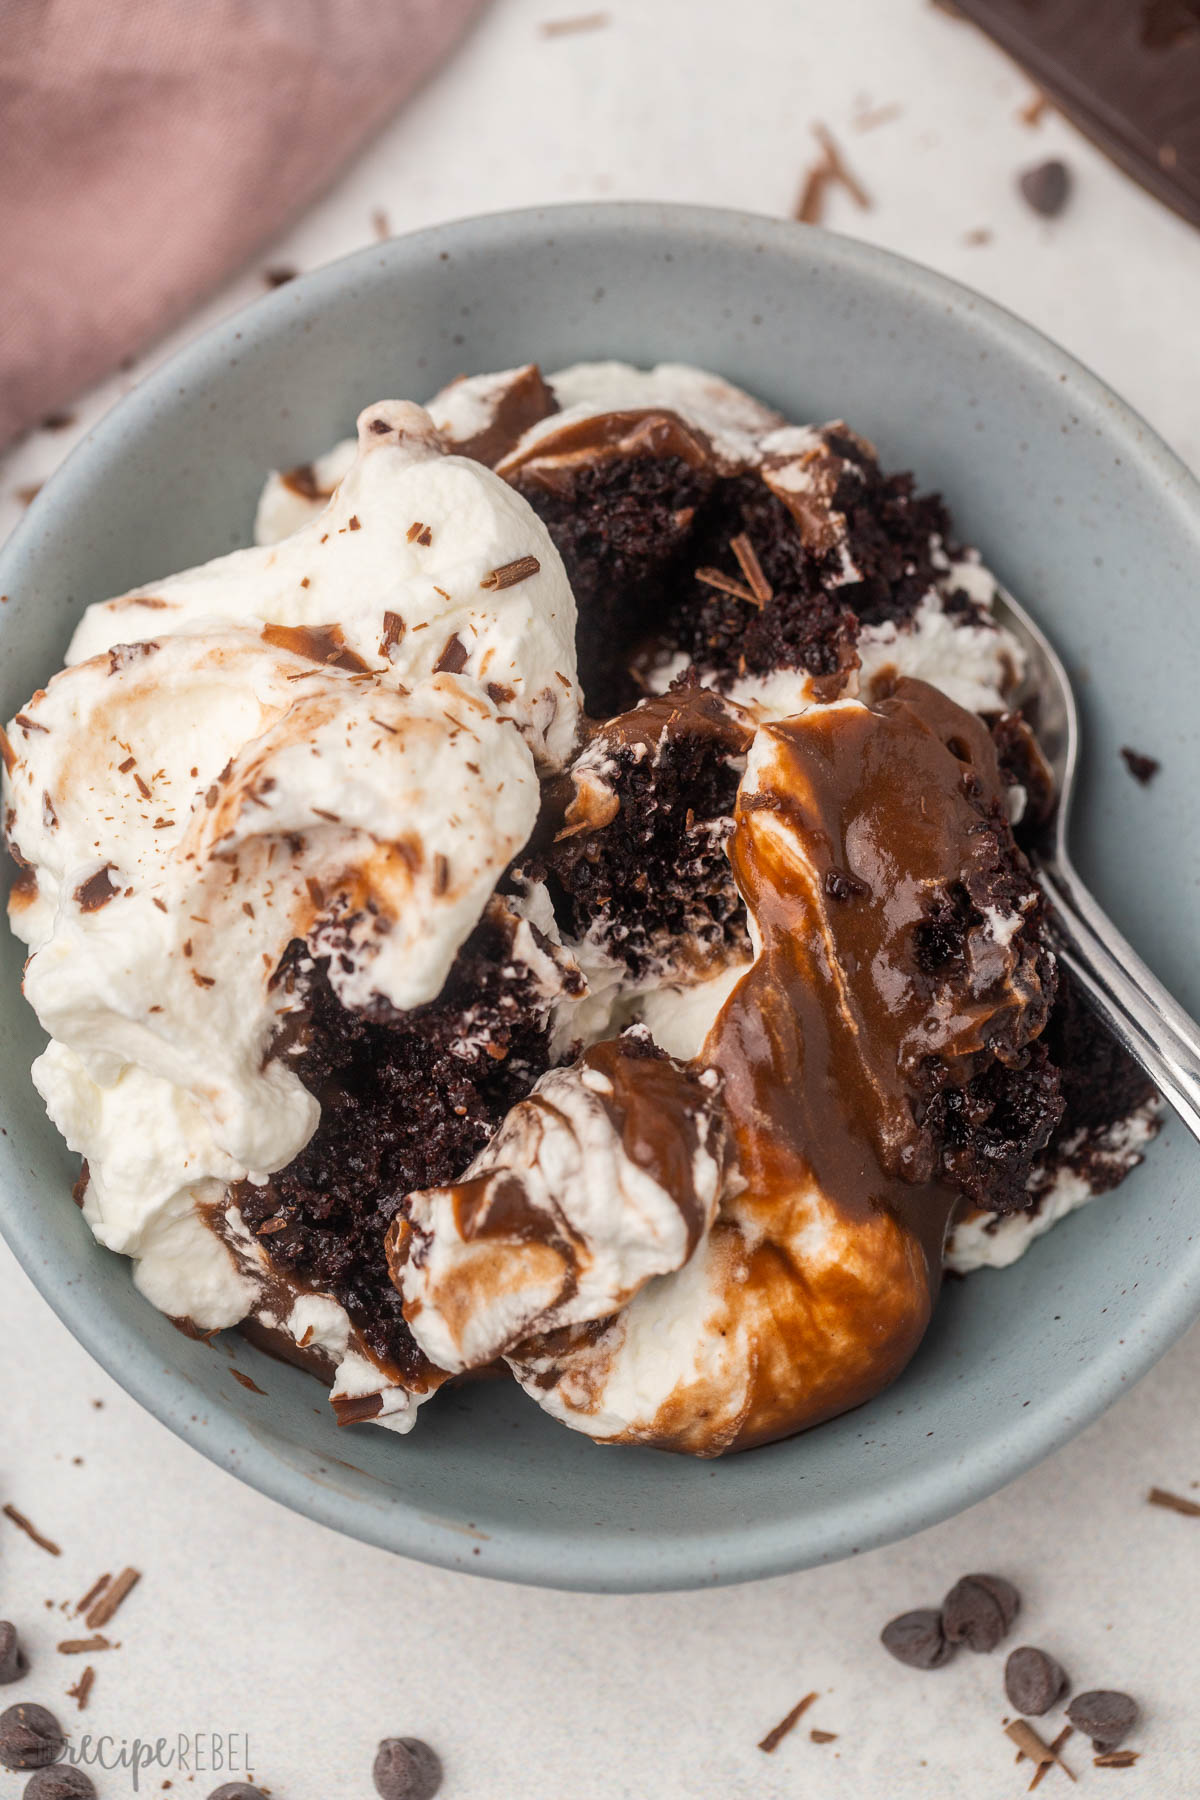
335	741
607	1175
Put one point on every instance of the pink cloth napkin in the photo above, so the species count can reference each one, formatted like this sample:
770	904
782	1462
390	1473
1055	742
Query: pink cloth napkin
148	147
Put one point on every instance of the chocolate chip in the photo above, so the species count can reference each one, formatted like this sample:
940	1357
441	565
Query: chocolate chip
236	1790
917	1639
60	1783
979	1610
1105	1715
406	1769
1033	1681
12	1662
30	1737
1046	187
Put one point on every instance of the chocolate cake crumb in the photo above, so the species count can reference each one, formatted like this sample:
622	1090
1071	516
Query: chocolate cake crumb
30	1529
788	1723
1143	768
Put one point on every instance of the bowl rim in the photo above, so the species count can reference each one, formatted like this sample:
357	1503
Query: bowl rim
561	1558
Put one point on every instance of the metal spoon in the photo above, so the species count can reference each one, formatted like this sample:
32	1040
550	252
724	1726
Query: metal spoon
1136	1007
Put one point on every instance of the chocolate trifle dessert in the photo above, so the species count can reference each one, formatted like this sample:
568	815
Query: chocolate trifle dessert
556	902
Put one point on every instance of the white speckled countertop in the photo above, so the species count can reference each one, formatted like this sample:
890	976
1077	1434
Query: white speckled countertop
251	1622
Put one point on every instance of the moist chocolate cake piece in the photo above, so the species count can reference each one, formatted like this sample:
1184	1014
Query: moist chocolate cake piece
1102	1086
405	1104
839	543
638	869
623	527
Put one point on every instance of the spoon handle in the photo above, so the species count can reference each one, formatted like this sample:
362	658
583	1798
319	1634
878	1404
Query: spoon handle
1151	1025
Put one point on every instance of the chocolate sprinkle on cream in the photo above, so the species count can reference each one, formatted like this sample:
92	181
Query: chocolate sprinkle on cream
778	1732
751	568
96	891
30	1530
508	574
725	584
453	659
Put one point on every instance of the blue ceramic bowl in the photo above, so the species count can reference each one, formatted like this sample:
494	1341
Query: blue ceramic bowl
1080	509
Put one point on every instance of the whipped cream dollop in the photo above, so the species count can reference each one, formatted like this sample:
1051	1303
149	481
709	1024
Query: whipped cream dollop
607	1175
336	742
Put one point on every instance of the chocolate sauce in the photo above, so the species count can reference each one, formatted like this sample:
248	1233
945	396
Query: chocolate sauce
606	437
524	402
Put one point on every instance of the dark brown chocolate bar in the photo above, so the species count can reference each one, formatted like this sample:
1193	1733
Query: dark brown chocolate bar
1126	71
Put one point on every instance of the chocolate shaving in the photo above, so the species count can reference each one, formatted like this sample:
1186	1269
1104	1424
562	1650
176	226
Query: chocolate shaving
58	421
251	1387
92	1595
280	276
777	1734
441	874
83	1687
823	1737
85	1646
1174	1502
28	724
1116	1759
748	563
831	168
353	523
393	631
594	21
726	584
1030	1744
109	1601
30	1530
453	658
508	574
7	752
1034	110
415	532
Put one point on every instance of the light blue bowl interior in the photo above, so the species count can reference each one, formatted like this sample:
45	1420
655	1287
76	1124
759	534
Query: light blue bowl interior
1084	514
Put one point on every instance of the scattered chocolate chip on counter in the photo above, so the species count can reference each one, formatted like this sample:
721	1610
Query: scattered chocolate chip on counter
58	421
60	1782
12	1659
1106	1715
30	1737
279	277
918	1639
236	1790
406	1769
1033	1680
1046	187
1143	768
979	1611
